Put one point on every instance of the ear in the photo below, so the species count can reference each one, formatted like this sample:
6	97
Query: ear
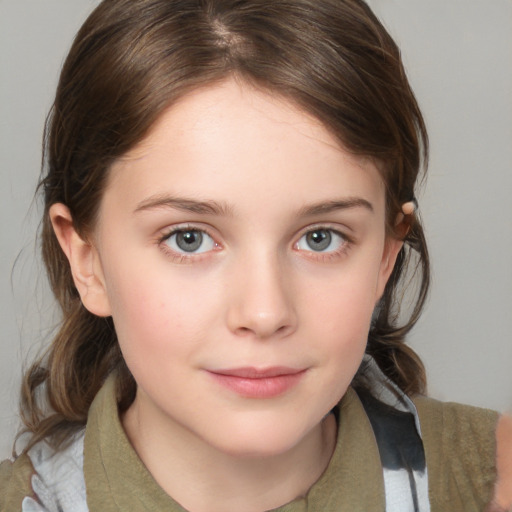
84	262
392	247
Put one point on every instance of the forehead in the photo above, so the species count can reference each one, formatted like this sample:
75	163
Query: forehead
230	140
232	101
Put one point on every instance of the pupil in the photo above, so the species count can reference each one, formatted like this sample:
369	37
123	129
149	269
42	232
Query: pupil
189	241
319	240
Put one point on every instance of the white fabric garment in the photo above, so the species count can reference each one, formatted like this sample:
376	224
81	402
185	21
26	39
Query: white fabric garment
59	479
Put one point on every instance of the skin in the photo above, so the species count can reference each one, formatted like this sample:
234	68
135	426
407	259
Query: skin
254	175
502	501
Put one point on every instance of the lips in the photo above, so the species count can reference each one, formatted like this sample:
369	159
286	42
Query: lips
260	383
258	373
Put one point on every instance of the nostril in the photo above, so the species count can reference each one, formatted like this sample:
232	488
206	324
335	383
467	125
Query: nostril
243	331
263	333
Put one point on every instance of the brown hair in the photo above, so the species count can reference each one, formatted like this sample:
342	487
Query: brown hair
130	61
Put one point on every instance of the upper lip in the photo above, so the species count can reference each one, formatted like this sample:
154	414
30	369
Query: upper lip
249	372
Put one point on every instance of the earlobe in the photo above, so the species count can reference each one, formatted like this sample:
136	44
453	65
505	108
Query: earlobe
84	261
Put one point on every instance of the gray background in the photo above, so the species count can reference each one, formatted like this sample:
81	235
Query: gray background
458	54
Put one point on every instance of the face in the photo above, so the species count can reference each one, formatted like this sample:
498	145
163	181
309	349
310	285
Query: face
241	252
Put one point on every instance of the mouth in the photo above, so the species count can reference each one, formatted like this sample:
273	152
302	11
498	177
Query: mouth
250	382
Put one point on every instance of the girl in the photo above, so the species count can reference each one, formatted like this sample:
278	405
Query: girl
229	222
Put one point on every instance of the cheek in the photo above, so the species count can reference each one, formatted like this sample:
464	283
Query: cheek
340	319
344	329
156	313
346	312
345	303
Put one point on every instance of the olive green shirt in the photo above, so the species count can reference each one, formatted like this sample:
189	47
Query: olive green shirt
459	445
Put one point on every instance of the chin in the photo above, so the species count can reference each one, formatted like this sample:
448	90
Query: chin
261	442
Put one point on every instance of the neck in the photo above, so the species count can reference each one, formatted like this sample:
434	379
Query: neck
204	479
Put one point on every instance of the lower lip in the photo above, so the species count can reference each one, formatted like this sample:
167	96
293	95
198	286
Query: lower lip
264	387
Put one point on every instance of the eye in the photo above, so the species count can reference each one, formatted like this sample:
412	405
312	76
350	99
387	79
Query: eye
190	241
321	240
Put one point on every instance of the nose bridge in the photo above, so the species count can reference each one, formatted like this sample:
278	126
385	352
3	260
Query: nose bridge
262	302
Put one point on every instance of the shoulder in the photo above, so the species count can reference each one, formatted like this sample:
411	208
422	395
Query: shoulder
15	483
447	422
460	450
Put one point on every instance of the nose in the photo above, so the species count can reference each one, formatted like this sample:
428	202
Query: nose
262	299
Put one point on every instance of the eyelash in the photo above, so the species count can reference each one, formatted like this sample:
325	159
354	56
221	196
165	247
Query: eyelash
180	257
322	256
325	256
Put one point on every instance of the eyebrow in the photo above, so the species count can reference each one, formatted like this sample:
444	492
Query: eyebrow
336	204
184	204
222	209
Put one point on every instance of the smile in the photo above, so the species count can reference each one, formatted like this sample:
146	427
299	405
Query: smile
258	383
